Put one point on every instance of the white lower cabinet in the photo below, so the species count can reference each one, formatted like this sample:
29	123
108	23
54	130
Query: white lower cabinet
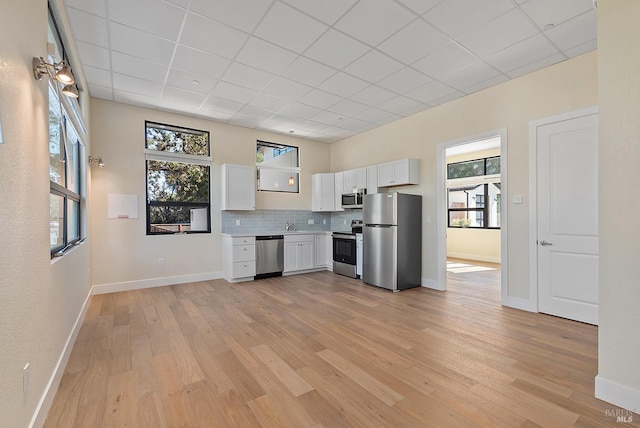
299	252
239	258
324	250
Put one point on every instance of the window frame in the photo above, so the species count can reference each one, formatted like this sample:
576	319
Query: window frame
294	171
483	180
184	158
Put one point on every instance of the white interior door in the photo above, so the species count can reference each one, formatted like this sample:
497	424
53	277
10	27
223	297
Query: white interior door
567	218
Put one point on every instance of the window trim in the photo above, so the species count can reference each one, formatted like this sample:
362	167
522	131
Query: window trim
291	169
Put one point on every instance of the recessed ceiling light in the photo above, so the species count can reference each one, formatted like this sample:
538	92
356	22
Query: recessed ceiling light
291	132
195	82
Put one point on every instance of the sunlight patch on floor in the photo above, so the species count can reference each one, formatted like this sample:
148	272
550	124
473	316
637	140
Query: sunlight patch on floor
454	267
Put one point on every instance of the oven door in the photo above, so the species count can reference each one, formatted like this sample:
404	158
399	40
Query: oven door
344	249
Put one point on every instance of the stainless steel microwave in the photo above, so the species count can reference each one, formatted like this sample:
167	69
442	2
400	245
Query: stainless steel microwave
353	199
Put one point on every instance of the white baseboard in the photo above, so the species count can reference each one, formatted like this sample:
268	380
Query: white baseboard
519	303
433	284
618	394
477	257
50	390
154	282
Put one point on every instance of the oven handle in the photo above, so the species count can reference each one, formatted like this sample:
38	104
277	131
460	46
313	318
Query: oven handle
349	237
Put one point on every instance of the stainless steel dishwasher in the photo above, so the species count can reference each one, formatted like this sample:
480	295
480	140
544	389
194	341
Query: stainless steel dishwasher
269	256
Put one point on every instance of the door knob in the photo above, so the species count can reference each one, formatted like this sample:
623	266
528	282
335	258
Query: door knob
545	243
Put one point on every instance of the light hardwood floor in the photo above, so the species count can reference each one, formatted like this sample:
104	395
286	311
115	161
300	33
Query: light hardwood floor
322	350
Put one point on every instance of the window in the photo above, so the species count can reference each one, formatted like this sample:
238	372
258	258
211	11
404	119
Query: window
278	167
178	165
473	191
66	175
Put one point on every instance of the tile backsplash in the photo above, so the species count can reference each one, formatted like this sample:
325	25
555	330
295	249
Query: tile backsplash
273	221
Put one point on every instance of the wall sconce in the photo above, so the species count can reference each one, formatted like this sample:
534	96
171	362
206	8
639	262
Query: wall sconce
97	160
60	72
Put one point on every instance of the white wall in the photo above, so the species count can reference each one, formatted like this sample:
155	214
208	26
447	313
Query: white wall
618	378
40	299
123	255
563	87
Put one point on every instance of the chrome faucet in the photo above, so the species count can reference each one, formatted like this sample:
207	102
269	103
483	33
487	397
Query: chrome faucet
288	227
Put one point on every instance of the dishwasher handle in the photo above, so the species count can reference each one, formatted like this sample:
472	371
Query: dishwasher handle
268	237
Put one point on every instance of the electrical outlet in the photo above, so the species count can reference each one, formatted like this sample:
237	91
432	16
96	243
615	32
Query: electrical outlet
345	221
427	219
310	221
161	261
237	222
25	377
324	221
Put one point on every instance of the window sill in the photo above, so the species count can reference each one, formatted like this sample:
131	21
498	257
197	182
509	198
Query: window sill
61	254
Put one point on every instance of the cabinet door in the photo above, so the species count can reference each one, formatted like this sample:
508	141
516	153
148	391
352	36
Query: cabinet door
306	259
385	174
322	192
350	181
238	187
372	179
290	256
321	250
401	171
361	178
339	183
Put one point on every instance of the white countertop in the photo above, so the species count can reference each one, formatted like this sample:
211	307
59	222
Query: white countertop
293	232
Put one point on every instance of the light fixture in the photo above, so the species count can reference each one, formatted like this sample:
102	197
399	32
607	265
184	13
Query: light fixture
60	71
97	160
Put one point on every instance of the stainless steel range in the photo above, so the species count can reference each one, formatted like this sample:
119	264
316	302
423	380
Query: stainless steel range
346	260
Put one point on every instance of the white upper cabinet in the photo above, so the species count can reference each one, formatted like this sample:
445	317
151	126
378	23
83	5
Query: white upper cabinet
396	173
238	187
372	179
355	179
323	192
339	184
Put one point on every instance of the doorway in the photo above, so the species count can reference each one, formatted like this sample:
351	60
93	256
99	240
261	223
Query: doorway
470	206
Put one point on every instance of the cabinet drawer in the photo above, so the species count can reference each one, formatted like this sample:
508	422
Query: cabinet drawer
243	269
298	238
243	253
243	240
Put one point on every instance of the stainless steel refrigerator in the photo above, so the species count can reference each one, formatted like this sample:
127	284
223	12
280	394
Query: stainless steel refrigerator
392	240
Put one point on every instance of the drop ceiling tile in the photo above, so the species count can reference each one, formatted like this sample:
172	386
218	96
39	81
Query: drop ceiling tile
336	49
353	124
95	7
212	114
140	44
181	3
285	88
486	84
265	56
574	32
137	67
373	66
320	99
93	55
135	99
444	61
245	122
580	49
442	100
400	104
258	115
413	42
177	108
198	62
247	77
241	14
269	102
180	96
327	11
504	31
211	36
429	92
289	28
421	6
348	108
281	123
555	12
307	71
375	115
522	53
310	125
373	95
300	110
470	75
222	105
536	65
159	18
342	84
460	17
404	80
88	28
231	92
136	86
106	93
372	21
187	81
327	117
97	76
